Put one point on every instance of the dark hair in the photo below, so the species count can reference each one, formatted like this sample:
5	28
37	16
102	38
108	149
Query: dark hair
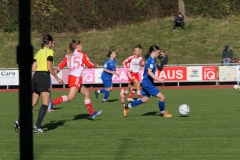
151	49
73	45
226	48
138	46
110	52
46	39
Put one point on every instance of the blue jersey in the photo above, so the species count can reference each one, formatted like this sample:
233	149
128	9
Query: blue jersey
150	64
109	65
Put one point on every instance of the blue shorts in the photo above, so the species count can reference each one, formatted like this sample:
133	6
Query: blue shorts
149	89
107	82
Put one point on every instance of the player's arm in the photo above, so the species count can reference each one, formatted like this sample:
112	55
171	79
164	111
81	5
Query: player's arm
142	63
61	65
87	61
50	69
150	73
126	63
34	65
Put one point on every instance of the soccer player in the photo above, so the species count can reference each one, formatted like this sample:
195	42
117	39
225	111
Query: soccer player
108	71
148	87
76	59
41	86
133	64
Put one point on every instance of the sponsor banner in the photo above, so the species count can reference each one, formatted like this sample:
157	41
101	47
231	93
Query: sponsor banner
209	73
238	73
227	73
194	73
123	78
9	77
173	74
170	74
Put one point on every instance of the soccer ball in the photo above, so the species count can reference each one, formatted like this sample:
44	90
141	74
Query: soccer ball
184	109
235	86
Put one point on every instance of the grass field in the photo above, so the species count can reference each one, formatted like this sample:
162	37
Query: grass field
211	131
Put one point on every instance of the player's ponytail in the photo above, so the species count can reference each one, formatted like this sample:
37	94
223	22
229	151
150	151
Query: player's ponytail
151	49
46	39
73	45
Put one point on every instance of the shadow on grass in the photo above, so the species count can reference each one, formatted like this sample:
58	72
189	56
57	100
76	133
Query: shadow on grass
82	116
113	100
53	125
57	108
183	116
150	114
124	147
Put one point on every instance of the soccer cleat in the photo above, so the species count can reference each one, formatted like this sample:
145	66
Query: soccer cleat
125	110
130	99
96	94
96	113
16	126
104	101
37	130
166	114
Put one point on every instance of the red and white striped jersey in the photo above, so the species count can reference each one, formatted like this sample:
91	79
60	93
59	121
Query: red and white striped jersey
76	63
133	63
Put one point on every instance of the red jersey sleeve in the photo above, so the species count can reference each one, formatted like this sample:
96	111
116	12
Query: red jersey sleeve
87	61
62	64
126	62
142	63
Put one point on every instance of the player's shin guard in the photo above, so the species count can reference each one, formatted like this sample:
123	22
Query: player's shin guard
41	115
59	100
106	94
89	106
131	94
161	106
103	90
136	103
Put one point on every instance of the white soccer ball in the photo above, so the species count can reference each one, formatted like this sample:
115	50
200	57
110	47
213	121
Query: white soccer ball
235	86
184	109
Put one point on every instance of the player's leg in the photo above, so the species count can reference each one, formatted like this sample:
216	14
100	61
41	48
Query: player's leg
161	105
106	90
83	90
138	87
137	102
74	84
105	83
42	112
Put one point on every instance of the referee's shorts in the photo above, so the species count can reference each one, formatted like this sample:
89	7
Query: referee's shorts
40	82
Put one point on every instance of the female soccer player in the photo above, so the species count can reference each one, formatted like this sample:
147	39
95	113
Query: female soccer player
41	79
108	71
76	59
133	64
148	87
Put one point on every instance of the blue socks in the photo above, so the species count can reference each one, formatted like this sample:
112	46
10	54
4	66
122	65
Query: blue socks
106	94
161	106
136	103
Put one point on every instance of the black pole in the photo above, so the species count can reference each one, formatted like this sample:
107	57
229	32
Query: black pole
24	60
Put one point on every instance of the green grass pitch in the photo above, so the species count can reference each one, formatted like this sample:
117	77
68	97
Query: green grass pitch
211	131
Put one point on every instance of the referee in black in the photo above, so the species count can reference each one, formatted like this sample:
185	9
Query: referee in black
43	62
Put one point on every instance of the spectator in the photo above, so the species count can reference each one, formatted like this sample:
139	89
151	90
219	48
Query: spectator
164	60
227	56
178	21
